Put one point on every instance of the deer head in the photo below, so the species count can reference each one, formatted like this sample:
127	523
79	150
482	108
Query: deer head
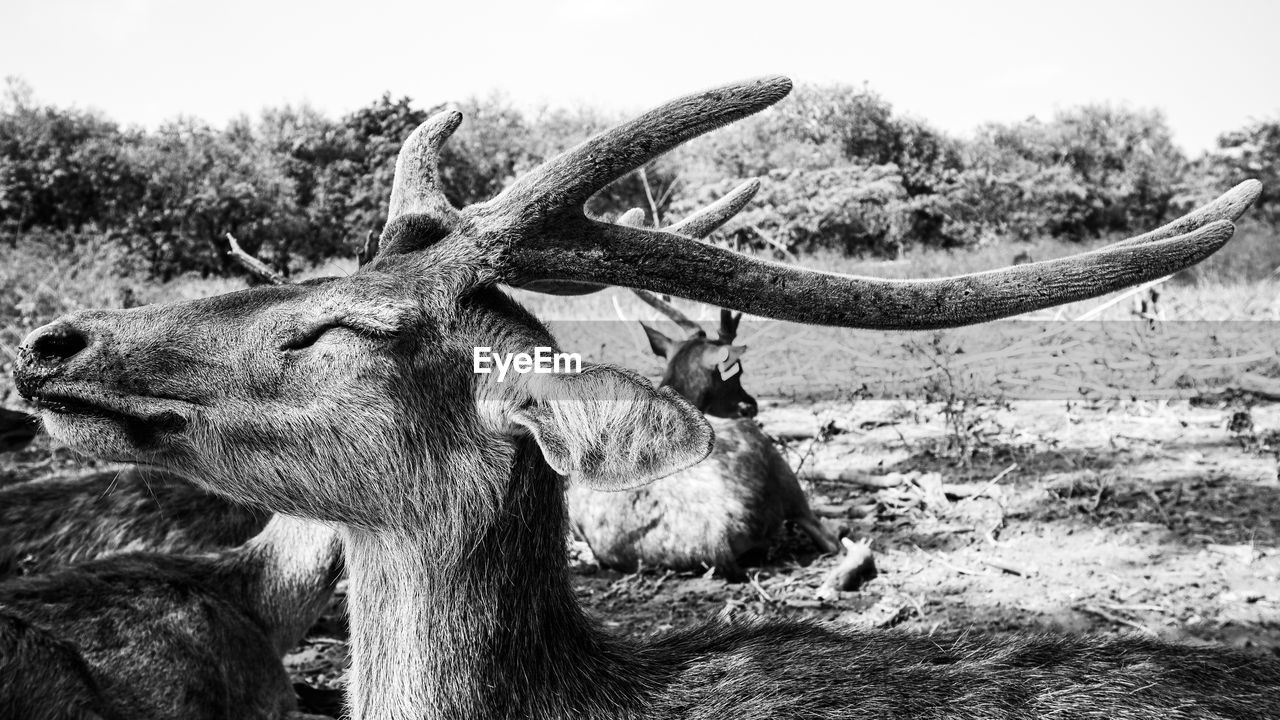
353	399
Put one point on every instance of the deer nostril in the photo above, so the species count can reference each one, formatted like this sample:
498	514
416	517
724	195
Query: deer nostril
58	342
747	409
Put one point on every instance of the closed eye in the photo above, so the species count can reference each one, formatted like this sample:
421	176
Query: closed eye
309	336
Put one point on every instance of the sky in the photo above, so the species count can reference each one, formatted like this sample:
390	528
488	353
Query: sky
1210	67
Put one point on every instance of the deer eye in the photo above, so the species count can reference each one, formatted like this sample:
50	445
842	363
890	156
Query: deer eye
308	336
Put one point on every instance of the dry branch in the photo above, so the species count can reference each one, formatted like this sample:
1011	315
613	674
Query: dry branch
256	267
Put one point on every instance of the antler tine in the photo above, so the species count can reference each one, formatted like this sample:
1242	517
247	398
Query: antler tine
707	220
255	266
564	183
416	188
1229	206
640	258
698	225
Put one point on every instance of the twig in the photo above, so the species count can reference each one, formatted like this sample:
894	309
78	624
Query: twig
1005	566
755	583
256	267
992	483
1094	610
1096	311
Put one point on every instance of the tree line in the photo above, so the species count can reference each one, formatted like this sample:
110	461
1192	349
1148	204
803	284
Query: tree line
844	173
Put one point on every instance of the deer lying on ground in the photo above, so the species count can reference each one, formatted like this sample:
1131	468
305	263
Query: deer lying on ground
353	401
52	522
731	504
146	635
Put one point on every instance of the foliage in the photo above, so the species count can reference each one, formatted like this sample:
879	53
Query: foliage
1091	170
1251	152
843	172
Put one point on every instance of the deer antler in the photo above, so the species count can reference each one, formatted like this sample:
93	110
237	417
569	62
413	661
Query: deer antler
536	231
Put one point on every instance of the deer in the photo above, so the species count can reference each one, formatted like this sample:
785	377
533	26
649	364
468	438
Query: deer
154	635
730	505
54	522
353	401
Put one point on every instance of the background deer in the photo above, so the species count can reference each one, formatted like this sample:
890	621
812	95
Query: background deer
731	504
167	636
351	400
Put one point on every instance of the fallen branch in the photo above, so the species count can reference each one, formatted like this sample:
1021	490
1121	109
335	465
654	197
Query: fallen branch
256	267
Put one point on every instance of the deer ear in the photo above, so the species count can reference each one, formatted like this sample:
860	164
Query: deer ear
661	345
610	429
729	325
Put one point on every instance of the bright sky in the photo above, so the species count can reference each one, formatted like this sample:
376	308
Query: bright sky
1209	66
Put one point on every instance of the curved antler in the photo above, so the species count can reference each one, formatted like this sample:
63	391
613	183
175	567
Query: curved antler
536	231
639	258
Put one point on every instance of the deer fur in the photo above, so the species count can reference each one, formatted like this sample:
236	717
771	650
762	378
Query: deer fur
146	635
352	401
713	514
53	522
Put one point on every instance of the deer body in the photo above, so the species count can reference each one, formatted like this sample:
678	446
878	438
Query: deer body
53	522
352	401
168	636
712	514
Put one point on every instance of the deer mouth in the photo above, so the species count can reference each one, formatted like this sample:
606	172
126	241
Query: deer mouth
121	426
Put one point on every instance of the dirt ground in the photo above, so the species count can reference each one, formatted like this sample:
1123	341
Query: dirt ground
1158	518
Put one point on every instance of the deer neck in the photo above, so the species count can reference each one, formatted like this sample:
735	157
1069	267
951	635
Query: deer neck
496	633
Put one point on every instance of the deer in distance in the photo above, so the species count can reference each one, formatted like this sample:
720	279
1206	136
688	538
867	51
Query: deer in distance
352	401
731	504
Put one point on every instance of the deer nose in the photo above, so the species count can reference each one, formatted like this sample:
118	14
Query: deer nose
747	408
55	343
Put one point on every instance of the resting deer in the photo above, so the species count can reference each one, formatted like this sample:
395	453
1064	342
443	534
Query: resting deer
53	522
731	504
146	635
353	401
